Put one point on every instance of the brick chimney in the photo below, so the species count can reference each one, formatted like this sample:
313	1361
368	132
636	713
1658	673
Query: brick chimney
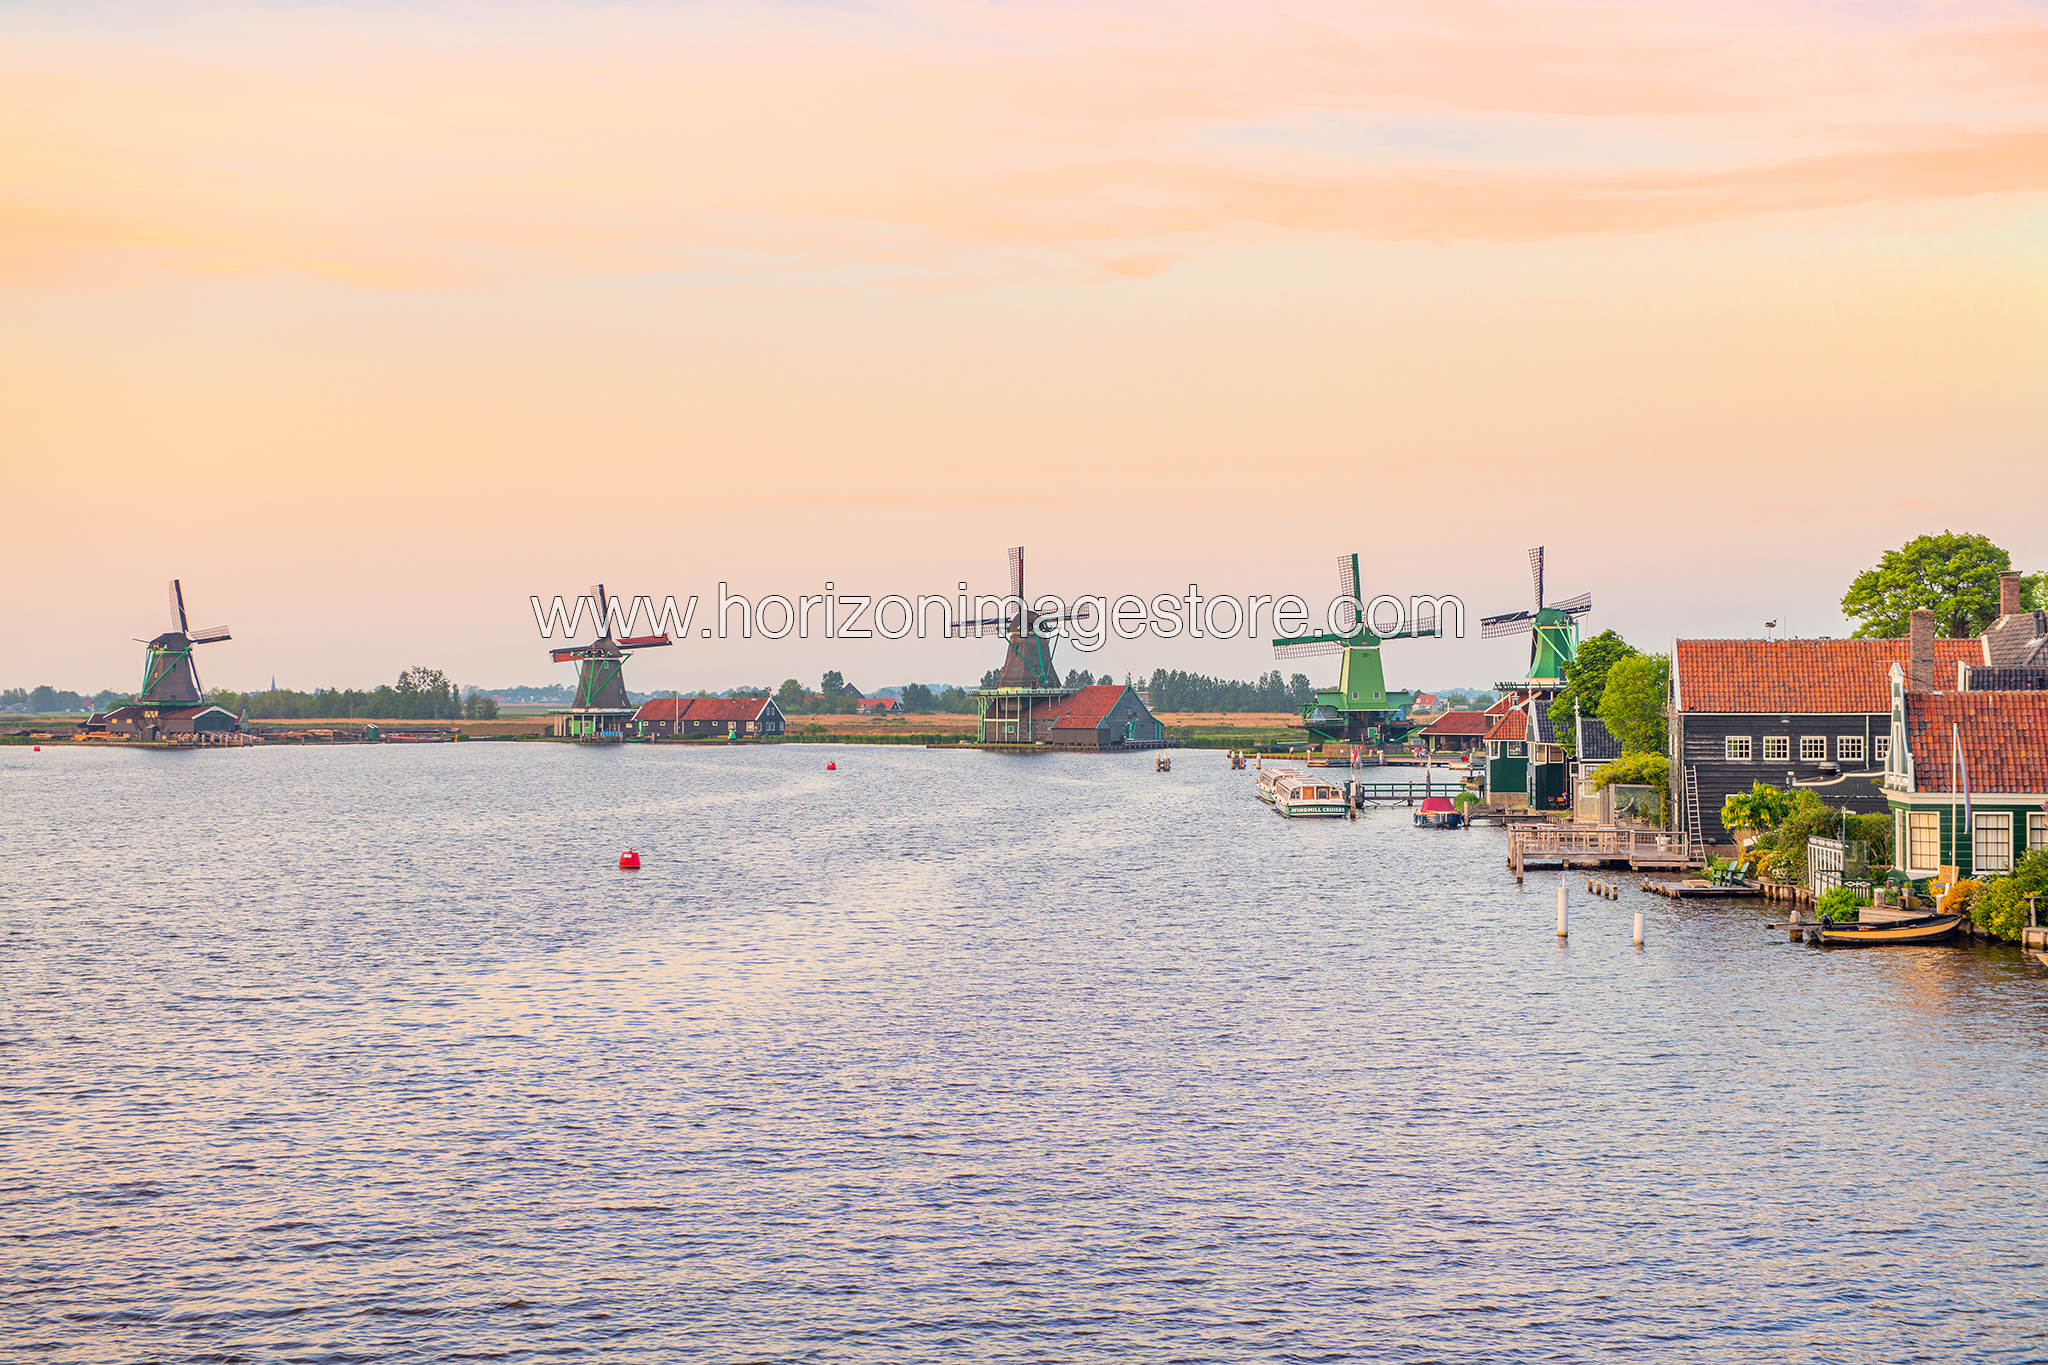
2009	593
1920	669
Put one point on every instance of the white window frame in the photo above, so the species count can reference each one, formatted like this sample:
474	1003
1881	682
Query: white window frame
1781	744
1923	837
1849	748
1991	841
1813	748
1881	749
1729	748
2037	830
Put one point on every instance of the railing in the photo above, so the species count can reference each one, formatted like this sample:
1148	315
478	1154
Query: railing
1638	846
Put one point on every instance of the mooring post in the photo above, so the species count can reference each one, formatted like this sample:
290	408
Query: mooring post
1639	928
1561	921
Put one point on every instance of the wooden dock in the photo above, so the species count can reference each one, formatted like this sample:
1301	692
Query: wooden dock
1568	846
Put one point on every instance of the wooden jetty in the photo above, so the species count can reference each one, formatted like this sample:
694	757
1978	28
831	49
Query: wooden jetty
1564	846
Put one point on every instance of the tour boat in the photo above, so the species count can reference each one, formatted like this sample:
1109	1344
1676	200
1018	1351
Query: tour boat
1926	929
1306	796
1437	812
1267	777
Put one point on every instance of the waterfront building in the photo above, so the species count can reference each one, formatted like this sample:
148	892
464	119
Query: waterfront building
1966	779
195	724
727	717
1815	713
1456	732
1106	716
877	706
1525	763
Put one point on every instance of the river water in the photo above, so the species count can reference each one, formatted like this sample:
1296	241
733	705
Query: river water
373	1054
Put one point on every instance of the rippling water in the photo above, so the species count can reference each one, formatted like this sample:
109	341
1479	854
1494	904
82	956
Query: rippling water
373	1054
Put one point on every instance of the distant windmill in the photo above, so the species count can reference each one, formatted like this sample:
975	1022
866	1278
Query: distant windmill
168	677
1029	661
1555	628
1360	706
602	707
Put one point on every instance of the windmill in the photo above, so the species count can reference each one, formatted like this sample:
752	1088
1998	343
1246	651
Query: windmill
168	677
1028	690
1555	630
602	708
1359	709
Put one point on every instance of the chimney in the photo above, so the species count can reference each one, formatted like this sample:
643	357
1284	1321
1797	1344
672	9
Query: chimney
1920	670
2009	593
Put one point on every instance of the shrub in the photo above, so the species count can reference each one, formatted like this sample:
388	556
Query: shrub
1651	770
2001	906
1837	903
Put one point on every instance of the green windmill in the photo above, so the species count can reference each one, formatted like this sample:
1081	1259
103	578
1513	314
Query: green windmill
1554	630
1359	709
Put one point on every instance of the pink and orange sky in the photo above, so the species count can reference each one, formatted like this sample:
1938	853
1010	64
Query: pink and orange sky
369	321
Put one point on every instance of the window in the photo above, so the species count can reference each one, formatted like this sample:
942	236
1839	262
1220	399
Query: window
1736	747
2037	832
1881	749
1778	747
1993	849
1849	748
1813	748
1923	841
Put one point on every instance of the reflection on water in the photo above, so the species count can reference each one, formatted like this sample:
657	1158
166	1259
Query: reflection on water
374	1054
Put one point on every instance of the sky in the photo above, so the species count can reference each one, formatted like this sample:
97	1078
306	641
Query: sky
370	322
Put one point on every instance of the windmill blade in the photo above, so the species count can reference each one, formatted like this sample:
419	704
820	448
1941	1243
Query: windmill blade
1425	623
597	599
646	641
1308	648
1515	623
1348	578
1536	572
177	607
1017	572
1576	606
963	627
208	636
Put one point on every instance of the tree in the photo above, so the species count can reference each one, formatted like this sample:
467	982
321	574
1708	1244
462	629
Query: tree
1761	808
1586	683
992	678
1632	706
789	696
1645	769
918	698
832	684
1081	677
1953	575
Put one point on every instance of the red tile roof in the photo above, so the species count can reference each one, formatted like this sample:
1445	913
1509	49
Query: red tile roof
2004	739
1510	725
1086	708
1459	723
702	708
1801	677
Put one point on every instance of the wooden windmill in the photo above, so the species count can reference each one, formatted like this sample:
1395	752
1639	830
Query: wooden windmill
1554	631
1024	701
1359	709
602	709
168	675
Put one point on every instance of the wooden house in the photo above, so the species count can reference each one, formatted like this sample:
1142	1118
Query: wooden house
1966	778
1525	763
708	717
1812	712
877	706
1107	716
1456	732
199	724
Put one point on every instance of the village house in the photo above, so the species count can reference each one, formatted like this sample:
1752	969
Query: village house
1966	779
1815	713
1106	716
1455	732
878	706
750	717
1525	763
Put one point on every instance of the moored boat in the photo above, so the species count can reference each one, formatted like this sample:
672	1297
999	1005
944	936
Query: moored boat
1926	929
1305	796
1437	812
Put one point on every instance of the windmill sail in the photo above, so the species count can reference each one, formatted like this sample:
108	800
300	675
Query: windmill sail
1308	648
1536	572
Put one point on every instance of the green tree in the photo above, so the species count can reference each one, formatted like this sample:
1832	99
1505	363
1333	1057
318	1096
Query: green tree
1586	683
1954	576
1644	769
1761	808
1632	704
789	696
832	684
1081	677
919	699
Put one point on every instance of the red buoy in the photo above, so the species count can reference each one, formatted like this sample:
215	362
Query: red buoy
831	767
629	859
39	748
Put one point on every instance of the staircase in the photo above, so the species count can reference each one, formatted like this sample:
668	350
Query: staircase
1692	804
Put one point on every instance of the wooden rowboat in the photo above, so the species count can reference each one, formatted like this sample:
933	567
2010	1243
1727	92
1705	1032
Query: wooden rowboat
1926	929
